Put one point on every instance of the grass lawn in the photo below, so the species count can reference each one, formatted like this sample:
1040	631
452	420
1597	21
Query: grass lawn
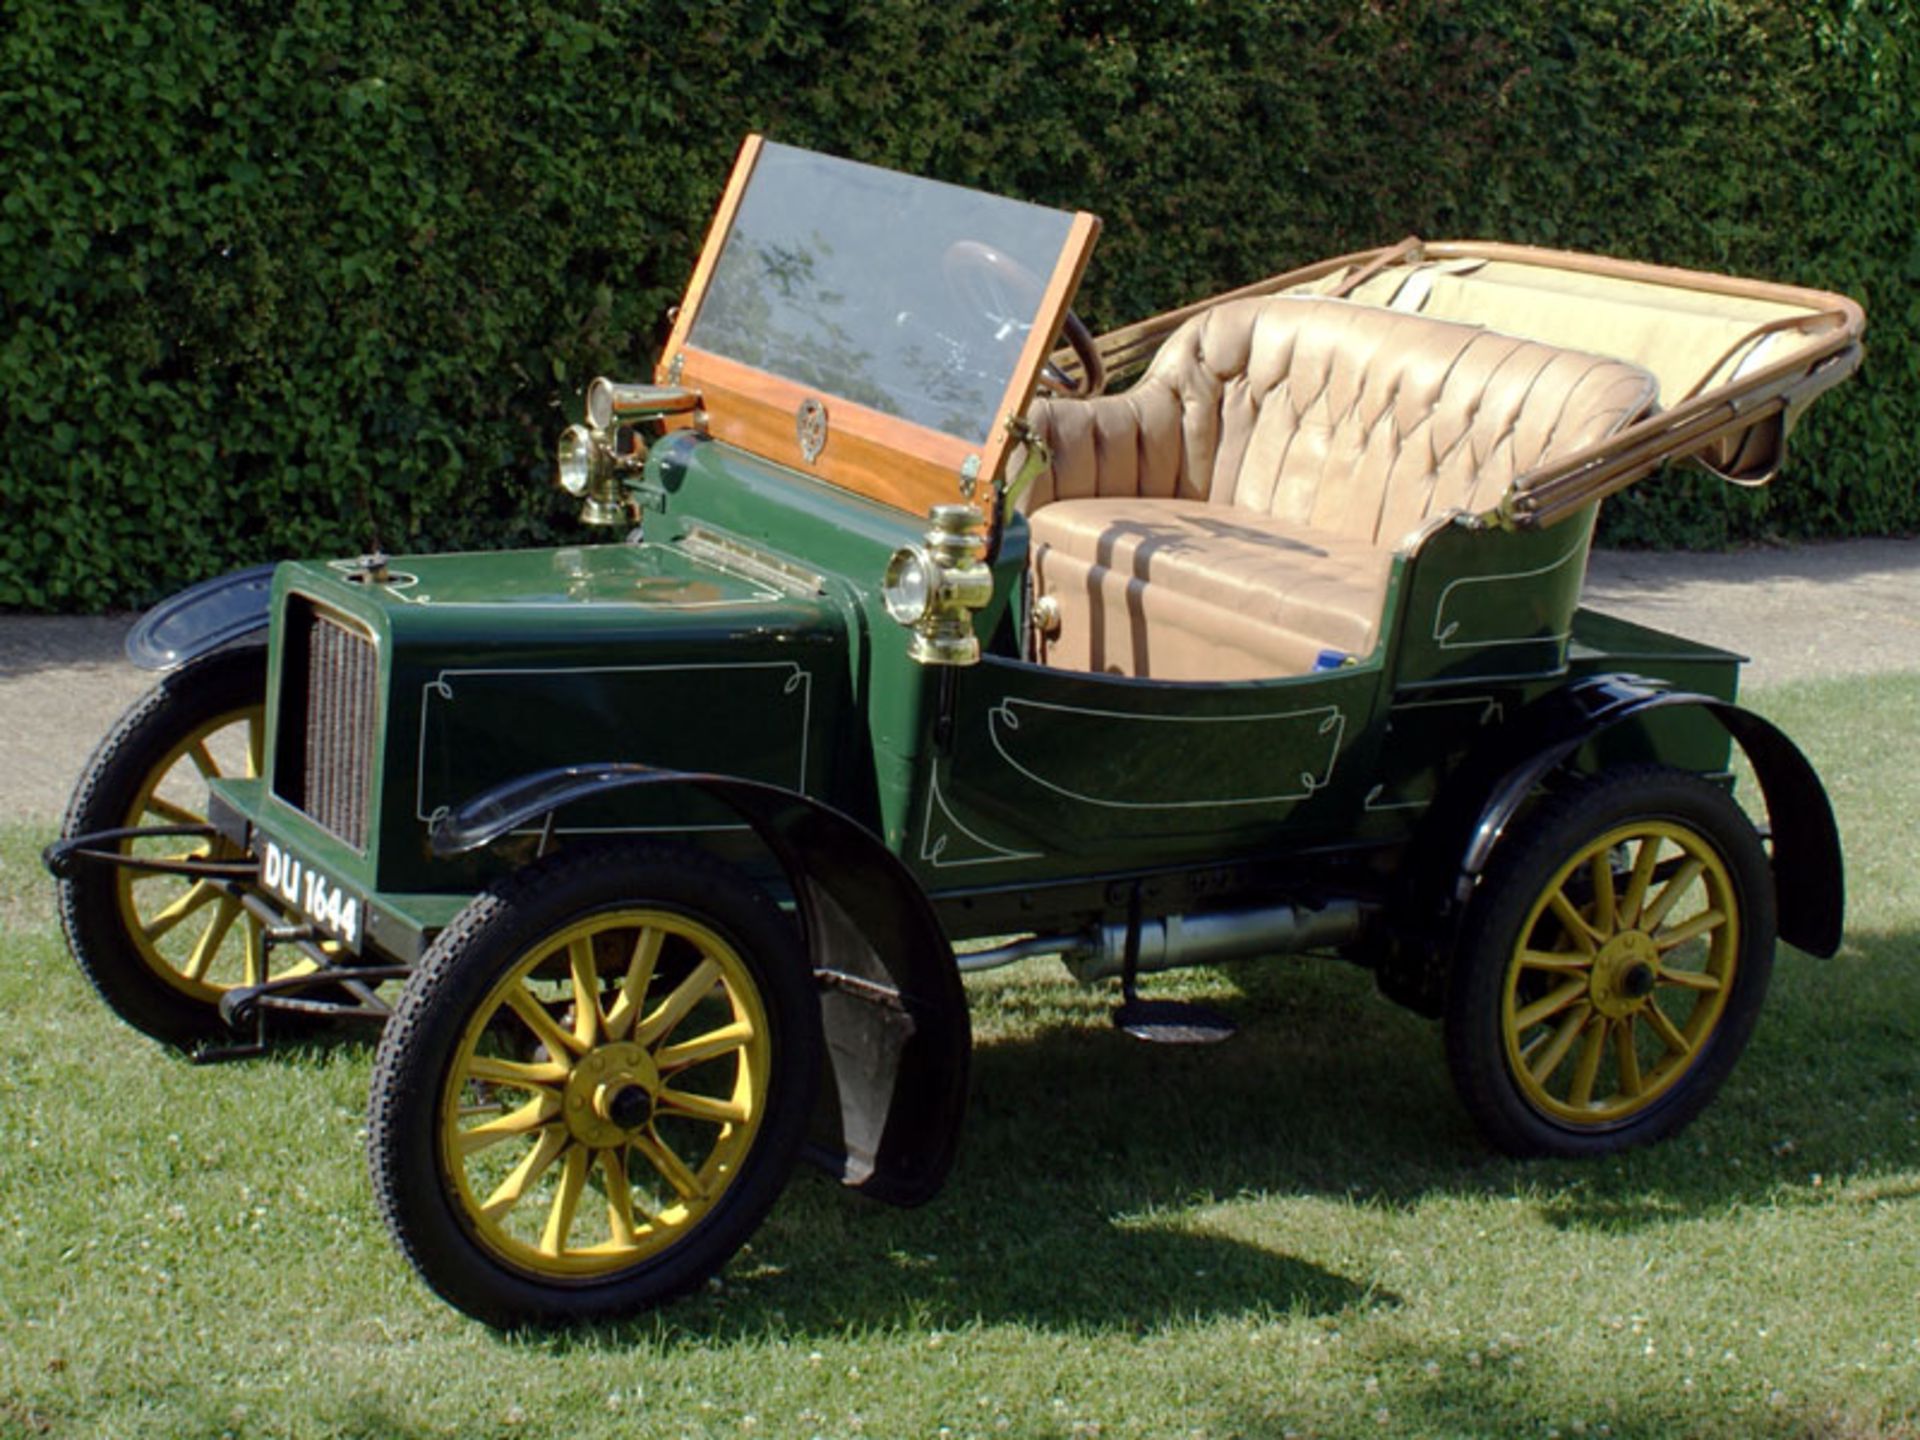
1297	1233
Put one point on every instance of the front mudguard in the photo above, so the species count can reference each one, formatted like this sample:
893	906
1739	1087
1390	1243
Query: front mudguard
892	1005
200	618
1481	798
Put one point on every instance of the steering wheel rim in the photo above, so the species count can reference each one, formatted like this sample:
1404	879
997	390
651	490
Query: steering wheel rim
1093	369
1004	292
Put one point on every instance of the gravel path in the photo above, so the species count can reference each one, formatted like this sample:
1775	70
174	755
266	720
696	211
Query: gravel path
1812	611
1815	610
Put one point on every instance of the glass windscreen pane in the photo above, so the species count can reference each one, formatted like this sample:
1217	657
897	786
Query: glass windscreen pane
909	296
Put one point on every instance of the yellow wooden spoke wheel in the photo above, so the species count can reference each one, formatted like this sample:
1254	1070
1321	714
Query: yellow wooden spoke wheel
605	1093
191	933
162	948
595	1085
1621	973
1612	964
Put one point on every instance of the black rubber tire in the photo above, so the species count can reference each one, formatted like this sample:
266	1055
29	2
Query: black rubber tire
418	1198
198	692
1523	865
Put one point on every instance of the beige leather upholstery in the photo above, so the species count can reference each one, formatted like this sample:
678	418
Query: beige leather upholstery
1687	339
1234	595
1235	512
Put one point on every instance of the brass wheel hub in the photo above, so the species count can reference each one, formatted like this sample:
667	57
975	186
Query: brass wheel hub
1624	974
610	1094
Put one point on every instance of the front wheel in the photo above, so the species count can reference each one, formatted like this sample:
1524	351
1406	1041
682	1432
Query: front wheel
595	1085
1612	964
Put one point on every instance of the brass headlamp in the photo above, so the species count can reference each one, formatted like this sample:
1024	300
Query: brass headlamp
591	464
934	588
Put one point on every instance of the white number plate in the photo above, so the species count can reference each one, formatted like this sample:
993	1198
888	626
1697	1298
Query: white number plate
315	895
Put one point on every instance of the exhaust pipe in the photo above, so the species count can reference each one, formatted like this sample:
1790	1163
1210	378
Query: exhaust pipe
1175	941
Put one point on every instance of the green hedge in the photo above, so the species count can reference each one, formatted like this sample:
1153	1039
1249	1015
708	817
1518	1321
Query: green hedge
282	278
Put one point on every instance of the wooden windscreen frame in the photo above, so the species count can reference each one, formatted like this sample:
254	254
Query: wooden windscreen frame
868	452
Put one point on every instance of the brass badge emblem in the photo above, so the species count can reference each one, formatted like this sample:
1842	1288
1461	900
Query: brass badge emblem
810	428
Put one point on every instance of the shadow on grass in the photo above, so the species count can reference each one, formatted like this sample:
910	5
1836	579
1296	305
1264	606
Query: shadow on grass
1083	1198
1424	1388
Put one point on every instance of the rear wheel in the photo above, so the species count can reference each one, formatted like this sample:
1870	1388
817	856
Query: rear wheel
161	948
1612	964
595	1085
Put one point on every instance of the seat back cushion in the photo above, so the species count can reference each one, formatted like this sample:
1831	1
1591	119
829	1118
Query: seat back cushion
1338	417
1686	338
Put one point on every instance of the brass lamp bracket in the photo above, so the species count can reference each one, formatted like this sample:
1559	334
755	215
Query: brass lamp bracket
1038	457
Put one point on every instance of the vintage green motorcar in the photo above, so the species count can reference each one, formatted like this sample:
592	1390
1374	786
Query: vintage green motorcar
661	859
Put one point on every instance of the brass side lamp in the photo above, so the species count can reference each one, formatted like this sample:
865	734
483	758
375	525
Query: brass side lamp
591	464
934	588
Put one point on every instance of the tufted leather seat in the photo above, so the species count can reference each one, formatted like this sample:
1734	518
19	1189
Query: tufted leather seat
1236	512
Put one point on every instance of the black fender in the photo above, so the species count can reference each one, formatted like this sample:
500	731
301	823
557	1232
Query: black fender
1480	799
892	1005
200	618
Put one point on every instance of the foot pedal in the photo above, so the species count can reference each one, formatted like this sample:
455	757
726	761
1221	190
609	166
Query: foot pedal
1173	1022
1161	1022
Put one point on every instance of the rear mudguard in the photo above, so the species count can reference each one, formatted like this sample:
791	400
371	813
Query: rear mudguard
1481	798
891	1001
200	618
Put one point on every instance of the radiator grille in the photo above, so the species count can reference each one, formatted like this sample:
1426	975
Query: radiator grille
335	756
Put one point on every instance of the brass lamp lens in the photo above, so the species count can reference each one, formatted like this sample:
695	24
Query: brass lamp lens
908	585
576	459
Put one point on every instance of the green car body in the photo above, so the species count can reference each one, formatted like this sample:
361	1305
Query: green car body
1005	789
